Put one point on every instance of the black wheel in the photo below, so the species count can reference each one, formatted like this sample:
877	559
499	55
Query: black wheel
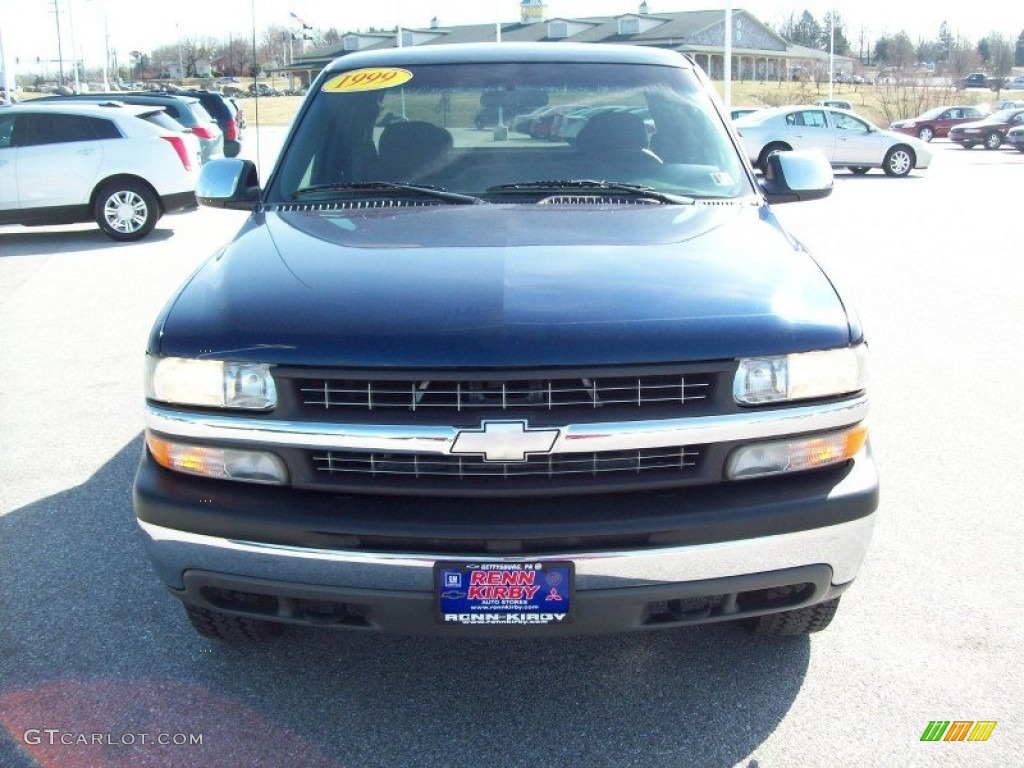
899	161
771	149
860	170
230	629
126	210
925	133
802	621
993	140
1020	147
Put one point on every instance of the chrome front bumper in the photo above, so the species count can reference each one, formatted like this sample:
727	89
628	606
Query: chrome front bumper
841	547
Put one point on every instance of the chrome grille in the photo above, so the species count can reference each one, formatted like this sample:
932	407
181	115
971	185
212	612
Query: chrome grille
505	395
678	459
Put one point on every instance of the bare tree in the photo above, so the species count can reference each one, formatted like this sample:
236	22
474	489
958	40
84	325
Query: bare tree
1002	54
963	57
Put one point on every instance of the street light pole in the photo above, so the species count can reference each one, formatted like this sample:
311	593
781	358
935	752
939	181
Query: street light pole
5	62
831	50
181	65
727	56
60	48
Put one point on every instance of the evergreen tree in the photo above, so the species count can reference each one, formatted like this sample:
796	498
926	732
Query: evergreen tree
807	31
841	44
1018	56
985	51
883	46
945	43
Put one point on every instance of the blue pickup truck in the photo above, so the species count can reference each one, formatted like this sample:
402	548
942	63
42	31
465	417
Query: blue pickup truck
460	381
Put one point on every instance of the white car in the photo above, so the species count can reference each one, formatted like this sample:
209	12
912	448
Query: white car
846	139
115	164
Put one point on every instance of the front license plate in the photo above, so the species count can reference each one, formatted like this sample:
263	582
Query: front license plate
504	593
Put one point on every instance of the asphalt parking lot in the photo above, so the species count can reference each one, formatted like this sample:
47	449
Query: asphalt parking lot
99	667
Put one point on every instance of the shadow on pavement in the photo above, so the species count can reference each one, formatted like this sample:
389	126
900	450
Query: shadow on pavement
44	241
92	648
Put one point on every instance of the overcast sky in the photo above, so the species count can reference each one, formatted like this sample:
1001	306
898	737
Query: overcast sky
29	30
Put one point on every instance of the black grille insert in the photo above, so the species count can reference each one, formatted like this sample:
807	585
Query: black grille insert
640	392
680	460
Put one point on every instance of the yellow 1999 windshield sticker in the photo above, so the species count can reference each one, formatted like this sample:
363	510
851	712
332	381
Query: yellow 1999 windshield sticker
372	79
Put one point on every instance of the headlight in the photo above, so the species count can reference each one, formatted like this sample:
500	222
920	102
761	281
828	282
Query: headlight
761	380
215	383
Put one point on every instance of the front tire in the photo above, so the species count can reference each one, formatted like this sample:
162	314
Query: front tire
925	133
126	210
802	621
230	629
899	161
993	140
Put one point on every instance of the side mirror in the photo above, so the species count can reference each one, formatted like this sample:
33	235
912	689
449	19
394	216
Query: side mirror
229	183
797	176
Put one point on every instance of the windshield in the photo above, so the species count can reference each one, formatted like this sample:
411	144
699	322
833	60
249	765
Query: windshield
1002	116
494	131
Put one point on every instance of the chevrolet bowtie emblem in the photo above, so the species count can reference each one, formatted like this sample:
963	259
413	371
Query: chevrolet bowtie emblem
504	441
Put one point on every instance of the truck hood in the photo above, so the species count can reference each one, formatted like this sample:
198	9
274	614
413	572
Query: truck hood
505	286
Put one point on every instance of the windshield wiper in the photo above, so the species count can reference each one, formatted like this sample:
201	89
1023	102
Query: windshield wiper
647	193
391	186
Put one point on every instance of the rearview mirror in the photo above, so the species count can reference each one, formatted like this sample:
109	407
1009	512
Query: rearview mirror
797	176
229	183
522	99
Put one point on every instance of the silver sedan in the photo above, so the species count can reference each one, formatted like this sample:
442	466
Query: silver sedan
846	139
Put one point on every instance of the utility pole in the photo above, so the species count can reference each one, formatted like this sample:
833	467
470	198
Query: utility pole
74	53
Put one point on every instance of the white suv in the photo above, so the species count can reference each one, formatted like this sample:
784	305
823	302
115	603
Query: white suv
112	163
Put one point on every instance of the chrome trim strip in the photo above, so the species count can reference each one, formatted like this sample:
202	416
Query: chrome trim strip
574	438
840	546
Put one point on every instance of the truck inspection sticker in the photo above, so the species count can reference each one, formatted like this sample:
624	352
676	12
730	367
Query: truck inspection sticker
371	79
504	593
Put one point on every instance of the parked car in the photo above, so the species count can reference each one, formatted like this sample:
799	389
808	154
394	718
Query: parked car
737	112
70	163
847	140
1015	84
1015	138
188	111
989	131
224	110
239	113
935	123
546	125
837	103
439	385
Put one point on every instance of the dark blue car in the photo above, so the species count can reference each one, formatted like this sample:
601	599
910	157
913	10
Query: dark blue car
467	382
